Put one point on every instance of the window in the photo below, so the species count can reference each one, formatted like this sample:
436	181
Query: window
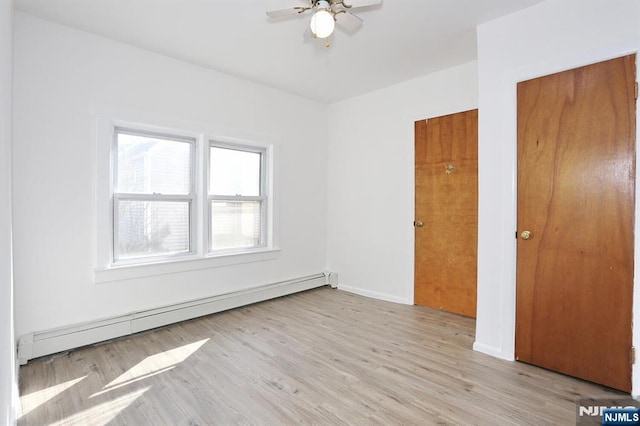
153	195
236	197
171	199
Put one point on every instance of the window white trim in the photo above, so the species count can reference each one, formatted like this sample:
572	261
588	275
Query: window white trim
128	272
105	120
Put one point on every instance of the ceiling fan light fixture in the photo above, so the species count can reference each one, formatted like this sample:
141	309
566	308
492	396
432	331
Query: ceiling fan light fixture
322	22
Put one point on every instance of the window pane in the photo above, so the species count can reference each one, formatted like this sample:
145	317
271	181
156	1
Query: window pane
234	172
147	165
235	224
152	228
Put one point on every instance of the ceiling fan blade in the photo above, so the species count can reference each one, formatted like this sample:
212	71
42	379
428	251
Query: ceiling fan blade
348	4
284	13
348	21
307	35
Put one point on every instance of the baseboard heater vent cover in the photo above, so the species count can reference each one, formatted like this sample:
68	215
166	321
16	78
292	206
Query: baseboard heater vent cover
37	344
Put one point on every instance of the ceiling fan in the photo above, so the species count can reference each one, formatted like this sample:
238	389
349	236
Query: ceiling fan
327	14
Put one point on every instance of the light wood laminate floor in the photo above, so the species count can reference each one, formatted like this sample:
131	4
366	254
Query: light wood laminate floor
319	357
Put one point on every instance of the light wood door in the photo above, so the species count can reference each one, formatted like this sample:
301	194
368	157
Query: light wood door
576	195
446	197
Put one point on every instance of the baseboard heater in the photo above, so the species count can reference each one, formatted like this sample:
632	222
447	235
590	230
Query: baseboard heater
37	344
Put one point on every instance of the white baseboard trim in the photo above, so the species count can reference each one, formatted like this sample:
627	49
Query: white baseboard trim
375	294
37	344
492	350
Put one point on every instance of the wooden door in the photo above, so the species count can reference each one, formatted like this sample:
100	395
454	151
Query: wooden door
446	235
576	196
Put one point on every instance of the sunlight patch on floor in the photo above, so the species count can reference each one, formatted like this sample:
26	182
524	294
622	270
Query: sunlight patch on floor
103	413
35	399
152	365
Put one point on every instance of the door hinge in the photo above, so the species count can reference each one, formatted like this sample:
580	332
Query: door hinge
632	355
636	90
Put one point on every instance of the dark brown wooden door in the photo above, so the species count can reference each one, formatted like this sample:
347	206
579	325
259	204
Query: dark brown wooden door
576	196
446	235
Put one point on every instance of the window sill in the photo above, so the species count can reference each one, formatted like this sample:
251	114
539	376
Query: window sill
128	272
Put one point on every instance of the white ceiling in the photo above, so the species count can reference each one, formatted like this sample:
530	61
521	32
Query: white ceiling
400	40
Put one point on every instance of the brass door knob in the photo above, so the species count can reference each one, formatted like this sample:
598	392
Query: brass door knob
418	224
526	235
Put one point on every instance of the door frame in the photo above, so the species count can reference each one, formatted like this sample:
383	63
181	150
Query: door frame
503	201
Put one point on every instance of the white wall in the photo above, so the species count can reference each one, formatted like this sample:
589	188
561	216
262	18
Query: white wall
7	340
371	179
552	36
59	76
